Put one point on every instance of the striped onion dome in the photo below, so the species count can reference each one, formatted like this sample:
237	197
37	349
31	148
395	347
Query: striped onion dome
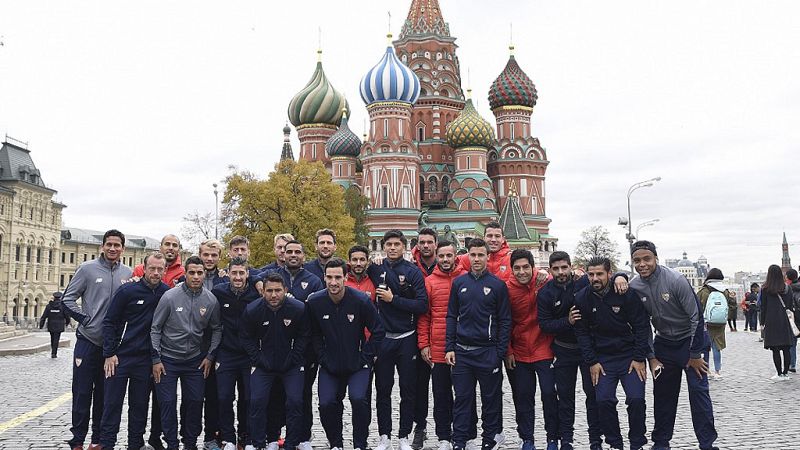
390	81
512	87
318	102
469	129
344	142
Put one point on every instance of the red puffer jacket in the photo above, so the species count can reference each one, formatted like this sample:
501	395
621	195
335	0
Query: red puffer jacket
499	262
432	326
528	343
417	260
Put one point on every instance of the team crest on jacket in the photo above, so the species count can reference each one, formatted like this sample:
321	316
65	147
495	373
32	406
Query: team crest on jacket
665	296
615	309
402	278
287	322
486	290
304	284
203	310
350	317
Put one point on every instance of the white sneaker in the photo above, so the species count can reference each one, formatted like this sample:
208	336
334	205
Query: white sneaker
445	445
336	448
785	378
273	446
305	446
385	443
776	377
405	444
472	445
228	446
249	447
147	446
498	440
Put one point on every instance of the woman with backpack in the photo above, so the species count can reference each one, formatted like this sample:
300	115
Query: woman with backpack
715	314
778	336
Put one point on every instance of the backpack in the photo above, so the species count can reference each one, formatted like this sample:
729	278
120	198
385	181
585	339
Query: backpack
716	311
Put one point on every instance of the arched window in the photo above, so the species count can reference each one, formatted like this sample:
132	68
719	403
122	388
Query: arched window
432	185
445	184
421	133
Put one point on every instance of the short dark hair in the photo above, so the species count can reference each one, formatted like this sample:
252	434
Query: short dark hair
791	274
522	253
274	277
493	224
774	283
394	234
324	232
295	241
334	263
477	242
644	245
753	285
238	261
559	256
429	232
239	239
357	249
156	255
113	232
599	261
194	259
441	244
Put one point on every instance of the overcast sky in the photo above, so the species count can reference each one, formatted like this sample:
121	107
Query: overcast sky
133	109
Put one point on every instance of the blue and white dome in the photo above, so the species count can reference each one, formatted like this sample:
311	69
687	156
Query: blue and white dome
390	81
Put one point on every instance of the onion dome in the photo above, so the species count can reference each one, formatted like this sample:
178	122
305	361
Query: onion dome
318	102
344	142
469	129
390	81
512	87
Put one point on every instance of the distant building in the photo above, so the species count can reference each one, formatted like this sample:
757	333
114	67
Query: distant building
695	272
786	261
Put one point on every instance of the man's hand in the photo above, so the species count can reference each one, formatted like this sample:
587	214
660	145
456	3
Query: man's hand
620	285
222	273
450	358
425	353
385	294
655	367
596	370
699	365
511	363
574	315
577	274
541	278
131	280
640	369
110	365
206	366
158	370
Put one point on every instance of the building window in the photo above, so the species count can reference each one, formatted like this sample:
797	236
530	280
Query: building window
16	274
469	163
85	257
31	216
72	258
61	281
432	185
27	254
93	256
384	196
20	211
385	128
400	127
50	256
37	275
63	257
421	133
524	130
313	151
512	132
38	256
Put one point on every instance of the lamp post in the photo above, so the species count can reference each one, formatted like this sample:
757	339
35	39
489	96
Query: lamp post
648	223
631	190
216	212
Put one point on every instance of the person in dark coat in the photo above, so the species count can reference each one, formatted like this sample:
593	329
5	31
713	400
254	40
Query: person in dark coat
57	319
775	301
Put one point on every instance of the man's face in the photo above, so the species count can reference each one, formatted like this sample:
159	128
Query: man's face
274	293
295	257
238	276
598	277
523	271
210	257
494	238
561	270
239	251
478	258
194	276
754	289
393	248
358	263
170	247
280	249
445	258
113	248
644	261
334	280
325	246
154	270
426	244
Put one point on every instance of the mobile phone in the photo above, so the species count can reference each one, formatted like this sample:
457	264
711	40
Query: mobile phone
382	286
657	372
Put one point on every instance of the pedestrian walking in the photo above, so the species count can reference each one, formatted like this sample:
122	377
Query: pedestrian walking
750	304
794	288
56	318
776	300
716	331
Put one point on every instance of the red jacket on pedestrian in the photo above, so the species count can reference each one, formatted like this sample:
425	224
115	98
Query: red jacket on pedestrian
499	263
432	326
171	275
528	344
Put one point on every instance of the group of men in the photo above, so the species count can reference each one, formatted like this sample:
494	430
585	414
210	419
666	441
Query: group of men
440	320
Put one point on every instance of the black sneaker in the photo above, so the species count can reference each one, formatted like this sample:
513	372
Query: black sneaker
156	443
420	434
793	370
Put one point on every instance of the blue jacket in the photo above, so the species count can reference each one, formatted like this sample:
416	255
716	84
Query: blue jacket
275	340
212	279
126	327
301	285
231	307
337	331
553	304
315	267
478	313
410	297
612	325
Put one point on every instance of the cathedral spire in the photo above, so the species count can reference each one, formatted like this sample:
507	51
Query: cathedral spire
786	262
286	152
425	17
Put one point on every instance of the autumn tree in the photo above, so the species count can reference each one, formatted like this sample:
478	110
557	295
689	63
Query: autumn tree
297	198
595	241
356	206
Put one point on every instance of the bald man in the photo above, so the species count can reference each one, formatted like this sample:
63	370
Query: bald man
171	249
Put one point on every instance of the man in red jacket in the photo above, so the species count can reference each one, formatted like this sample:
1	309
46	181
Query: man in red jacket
431	329
529	354
171	249
499	263
358	259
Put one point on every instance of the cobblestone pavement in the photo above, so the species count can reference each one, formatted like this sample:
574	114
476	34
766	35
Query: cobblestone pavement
751	410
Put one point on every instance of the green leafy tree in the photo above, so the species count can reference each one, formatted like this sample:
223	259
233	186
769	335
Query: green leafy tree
356	206
297	198
595	241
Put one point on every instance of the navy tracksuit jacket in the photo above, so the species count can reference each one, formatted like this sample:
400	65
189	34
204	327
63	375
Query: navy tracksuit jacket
302	284
316	268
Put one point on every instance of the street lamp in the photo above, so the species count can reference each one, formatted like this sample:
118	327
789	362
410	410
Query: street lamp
631	190
216	212
648	223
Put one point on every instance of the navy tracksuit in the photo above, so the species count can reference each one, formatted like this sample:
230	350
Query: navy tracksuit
232	362
553	304
126	335
346	357
399	349
614	331
478	331
316	268
275	340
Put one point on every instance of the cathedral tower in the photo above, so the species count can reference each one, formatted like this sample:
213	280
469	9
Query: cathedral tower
343	149
786	262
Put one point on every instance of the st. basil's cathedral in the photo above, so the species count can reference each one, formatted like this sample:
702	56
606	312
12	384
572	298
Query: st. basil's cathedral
429	158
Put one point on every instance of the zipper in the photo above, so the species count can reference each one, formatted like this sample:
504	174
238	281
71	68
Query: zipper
122	336
490	327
